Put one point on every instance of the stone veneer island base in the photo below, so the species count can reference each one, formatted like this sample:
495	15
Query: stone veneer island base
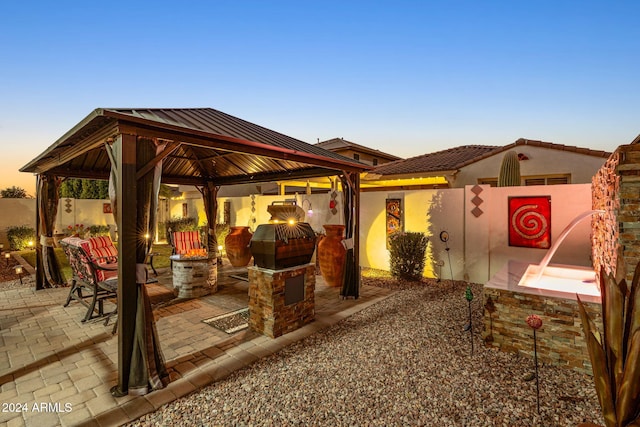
560	341
281	301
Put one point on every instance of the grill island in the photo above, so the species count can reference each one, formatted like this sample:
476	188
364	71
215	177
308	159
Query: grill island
282	282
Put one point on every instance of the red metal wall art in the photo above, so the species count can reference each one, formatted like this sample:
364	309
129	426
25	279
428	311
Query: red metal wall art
530	222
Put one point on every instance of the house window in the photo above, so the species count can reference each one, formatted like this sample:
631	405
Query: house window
532	180
375	162
493	182
356	156
548	180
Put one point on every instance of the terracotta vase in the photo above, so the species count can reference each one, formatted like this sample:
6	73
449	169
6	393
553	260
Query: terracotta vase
237	246
331	255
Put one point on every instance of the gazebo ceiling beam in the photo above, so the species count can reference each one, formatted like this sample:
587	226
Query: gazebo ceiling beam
73	173
224	143
248	179
193	159
170	148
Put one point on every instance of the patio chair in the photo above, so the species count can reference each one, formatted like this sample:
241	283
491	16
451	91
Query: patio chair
94	265
183	241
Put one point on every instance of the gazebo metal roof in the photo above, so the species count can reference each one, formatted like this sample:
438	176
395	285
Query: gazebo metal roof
211	146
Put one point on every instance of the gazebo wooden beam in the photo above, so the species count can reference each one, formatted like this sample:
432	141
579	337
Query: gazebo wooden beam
224	143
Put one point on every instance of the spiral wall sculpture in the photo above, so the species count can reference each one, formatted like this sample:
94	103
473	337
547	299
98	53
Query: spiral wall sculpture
530	222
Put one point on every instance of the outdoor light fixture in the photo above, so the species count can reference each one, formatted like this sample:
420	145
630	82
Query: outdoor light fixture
30	244
220	247
310	210
7	255
1	246
19	272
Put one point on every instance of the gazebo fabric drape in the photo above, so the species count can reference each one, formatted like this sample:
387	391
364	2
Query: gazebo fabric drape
351	275
47	209
210	198
147	369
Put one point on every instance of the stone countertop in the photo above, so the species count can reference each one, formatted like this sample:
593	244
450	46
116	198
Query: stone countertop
509	276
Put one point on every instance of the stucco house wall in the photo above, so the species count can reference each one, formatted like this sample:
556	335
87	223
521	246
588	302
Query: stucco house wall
541	161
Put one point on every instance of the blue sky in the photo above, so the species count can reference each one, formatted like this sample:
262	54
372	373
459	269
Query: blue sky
404	77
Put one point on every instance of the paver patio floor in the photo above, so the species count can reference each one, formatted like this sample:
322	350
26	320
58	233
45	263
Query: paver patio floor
56	370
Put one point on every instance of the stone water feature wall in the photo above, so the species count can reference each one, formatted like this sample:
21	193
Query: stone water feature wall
616	189
560	340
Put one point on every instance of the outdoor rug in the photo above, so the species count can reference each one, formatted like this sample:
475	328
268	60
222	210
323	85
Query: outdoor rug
241	276
230	322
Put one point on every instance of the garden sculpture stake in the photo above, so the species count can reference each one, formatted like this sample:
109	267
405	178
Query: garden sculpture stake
444	238
469	296
535	322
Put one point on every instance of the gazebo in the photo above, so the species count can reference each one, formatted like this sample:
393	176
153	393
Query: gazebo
136	150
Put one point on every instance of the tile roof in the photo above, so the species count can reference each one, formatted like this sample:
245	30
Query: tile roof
445	160
458	157
336	144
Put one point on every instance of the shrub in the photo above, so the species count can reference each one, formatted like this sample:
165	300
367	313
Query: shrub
407	255
19	237
221	232
181	224
98	230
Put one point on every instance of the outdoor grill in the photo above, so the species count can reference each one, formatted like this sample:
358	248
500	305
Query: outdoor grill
284	242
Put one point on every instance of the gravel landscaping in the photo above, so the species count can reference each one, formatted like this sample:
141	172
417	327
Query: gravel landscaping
403	361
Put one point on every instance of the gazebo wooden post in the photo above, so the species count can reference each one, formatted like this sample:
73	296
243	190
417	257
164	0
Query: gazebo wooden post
127	242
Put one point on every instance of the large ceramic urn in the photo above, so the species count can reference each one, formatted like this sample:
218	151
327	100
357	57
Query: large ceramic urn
331	255
237	246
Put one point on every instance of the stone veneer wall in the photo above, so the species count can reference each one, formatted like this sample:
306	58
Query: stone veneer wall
616	189
560	341
268	313
605	232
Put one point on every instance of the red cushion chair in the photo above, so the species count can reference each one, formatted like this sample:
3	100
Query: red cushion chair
184	241
104	253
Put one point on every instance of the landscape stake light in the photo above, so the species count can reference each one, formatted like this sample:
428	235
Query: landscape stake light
19	272
7	255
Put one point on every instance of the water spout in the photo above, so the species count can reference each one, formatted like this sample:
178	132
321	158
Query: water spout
552	250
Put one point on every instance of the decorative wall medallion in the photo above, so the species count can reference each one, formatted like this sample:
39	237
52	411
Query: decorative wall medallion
477	211
476	189
530	222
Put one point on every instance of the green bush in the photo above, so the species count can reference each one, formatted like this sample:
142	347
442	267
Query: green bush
162	231
181	224
408	255
221	233
19	237
98	230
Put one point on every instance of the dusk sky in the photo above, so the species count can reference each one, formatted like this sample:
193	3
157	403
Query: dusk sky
404	77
